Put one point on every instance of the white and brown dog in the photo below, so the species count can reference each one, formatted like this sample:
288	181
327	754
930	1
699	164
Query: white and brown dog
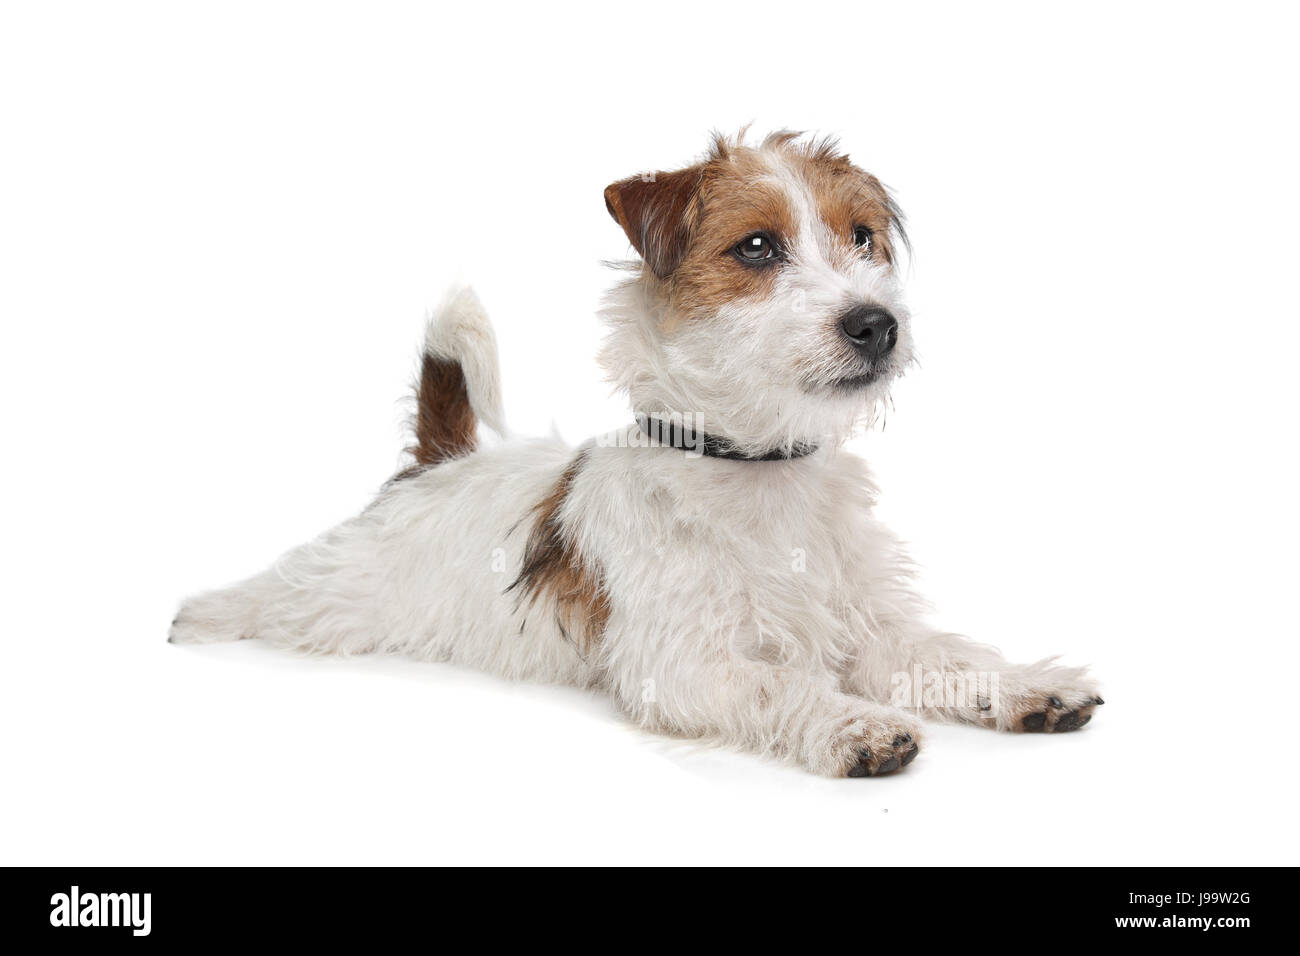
715	566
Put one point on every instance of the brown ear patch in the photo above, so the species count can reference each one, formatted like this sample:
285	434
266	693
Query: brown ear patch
444	420
555	571
655	211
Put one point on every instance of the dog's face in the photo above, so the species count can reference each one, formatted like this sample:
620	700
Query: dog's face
768	303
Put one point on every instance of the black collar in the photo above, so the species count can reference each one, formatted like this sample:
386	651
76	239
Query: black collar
671	434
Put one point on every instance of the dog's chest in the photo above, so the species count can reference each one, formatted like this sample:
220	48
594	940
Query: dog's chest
767	547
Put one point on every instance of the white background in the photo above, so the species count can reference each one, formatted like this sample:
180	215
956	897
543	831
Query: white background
220	226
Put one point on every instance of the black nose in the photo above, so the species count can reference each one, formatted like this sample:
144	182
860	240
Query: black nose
871	329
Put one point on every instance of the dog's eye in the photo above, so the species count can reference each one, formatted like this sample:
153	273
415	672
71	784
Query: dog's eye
861	236
755	248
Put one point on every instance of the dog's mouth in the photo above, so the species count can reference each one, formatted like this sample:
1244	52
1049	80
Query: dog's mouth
852	378
851	383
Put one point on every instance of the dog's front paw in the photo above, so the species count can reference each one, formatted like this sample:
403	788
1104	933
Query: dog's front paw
900	751
1040	698
875	747
1052	713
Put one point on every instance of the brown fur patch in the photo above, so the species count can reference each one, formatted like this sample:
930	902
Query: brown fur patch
444	420
655	212
847	197
734	202
685	223
555	571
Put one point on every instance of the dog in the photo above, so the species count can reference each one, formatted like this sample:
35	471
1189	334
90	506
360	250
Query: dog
714	566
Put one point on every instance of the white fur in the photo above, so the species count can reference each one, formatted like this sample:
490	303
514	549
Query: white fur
459	329
756	603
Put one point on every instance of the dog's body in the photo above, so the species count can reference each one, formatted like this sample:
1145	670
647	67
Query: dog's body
736	587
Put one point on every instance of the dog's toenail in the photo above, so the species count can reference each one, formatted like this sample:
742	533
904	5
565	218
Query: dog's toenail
1034	721
1098	701
911	755
1055	701
902	739
889	766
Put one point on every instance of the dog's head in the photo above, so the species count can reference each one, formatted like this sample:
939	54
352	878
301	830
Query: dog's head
767	304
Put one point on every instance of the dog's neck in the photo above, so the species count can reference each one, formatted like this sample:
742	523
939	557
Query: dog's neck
674	435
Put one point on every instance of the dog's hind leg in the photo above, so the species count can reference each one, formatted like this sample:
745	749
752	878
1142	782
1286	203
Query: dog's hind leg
320	596
229	614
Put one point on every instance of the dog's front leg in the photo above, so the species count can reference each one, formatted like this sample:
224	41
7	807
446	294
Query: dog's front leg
901	659
767	708
949	677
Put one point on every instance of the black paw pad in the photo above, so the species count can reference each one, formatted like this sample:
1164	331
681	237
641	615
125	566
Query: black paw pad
894	761
1034	722
863	767
1067	721
889	766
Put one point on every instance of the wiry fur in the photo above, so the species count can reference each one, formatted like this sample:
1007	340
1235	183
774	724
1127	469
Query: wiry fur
757	603
459	331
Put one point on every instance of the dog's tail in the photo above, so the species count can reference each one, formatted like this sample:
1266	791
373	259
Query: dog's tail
460	380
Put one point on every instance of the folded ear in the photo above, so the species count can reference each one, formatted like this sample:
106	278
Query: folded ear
657	213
